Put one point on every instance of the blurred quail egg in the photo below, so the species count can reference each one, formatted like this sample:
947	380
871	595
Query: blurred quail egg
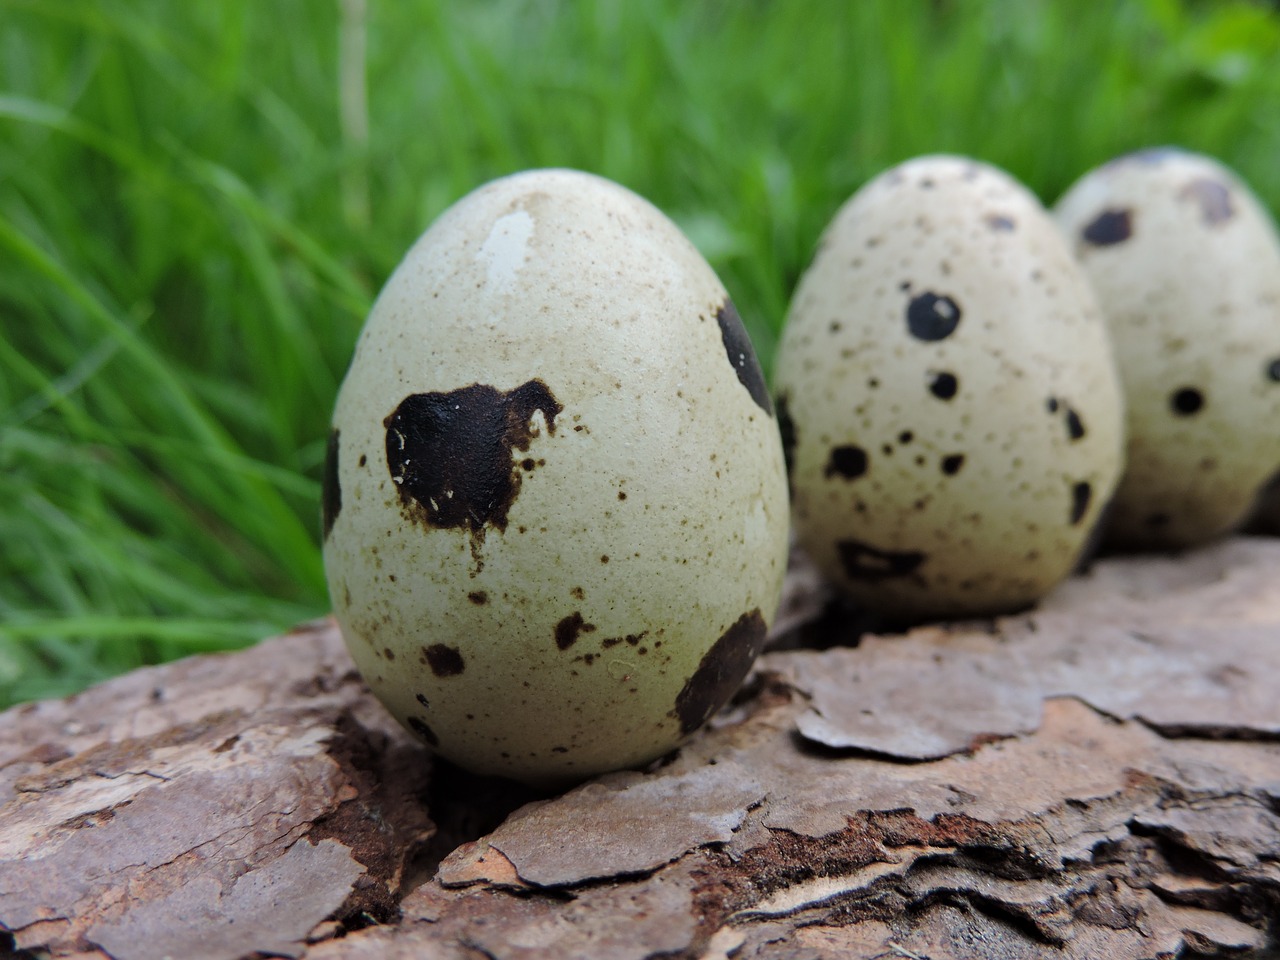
947	396
555	510
1186	265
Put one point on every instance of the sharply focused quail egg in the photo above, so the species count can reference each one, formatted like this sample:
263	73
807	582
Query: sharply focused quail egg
1186	265
947	396
555	505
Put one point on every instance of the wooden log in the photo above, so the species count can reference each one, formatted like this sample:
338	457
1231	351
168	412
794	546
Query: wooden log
1099	777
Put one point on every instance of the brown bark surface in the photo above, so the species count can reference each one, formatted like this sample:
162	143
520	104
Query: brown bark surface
1097	778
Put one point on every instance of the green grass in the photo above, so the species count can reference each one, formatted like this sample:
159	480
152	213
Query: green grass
193	225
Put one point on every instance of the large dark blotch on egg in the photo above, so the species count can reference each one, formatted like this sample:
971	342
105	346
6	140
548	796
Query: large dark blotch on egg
1108	228
866	563
331	497
721	671
449	454
847	461
445	661
742	355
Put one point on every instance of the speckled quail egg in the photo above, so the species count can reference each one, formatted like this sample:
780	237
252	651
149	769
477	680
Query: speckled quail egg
947	396
555	506
1186	265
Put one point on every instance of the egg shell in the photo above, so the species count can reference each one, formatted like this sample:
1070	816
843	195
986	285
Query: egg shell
556	505
1186	265
947	395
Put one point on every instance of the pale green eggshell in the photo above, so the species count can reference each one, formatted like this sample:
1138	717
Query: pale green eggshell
1186	264
948	395
556	507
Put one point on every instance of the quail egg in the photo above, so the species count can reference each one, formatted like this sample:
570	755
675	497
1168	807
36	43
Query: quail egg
555	506
1186	265
947	395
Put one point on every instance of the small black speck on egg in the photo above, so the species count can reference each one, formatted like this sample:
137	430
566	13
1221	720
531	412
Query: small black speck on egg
1051	404
943	384
847	461
952	463
423	700
1186	401
1081	494
1075	426
1273	370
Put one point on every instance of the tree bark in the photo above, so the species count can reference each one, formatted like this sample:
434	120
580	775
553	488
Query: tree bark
1099	777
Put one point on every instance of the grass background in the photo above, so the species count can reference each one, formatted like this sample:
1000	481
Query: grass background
199	201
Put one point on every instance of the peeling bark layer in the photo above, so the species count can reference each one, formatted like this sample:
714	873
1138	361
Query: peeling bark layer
1098	777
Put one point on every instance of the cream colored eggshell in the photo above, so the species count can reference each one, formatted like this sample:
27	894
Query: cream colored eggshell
1186	264
1023	389
642	554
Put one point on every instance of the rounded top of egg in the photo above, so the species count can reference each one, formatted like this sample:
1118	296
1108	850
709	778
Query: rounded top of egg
1186	264
955	418
557	509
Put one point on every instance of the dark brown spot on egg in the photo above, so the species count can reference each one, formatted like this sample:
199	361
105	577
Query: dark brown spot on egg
1186	401
943	384
632	639
952	463
331	497
721	671
1075	426
478	597
846	461
1108	228
787	430
1081	494
932	317
1213	197
450	454
420	727
444	661
423	700
568	630
861	561
1273	370
742	355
